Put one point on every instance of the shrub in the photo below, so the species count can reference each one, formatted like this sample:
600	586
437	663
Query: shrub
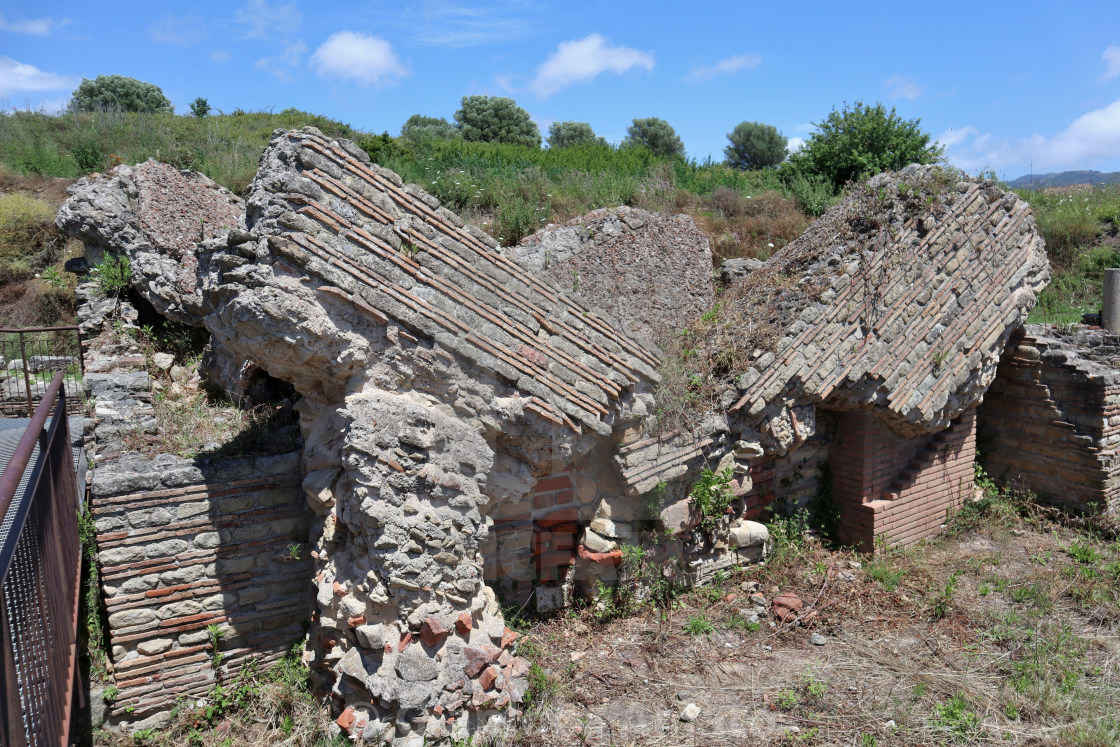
496	119
813	192
567	134
87	154
200	107
118	93
114	273
656	135
418	128
755	146
711	495
862	141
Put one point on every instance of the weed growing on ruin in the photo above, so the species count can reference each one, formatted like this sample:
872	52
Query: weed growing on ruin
698	625
943	602
90	606
113	275
214	634
711	494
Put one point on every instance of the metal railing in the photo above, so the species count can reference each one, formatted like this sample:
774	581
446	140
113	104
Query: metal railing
28	359
40	563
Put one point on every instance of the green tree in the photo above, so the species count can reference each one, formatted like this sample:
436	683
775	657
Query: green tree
862	141
755	146
567	134
655	134
118	93
200	107
418	127
496	119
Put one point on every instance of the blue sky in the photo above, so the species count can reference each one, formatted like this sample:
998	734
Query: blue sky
1006	85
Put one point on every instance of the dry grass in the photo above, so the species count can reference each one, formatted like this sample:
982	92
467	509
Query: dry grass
986	637
742	226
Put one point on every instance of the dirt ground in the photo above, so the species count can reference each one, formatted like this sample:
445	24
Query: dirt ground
1017	653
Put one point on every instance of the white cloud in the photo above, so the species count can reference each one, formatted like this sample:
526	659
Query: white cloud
16	77
284	64
219	56
184	31
1111	57
35	27
725	67
903	87
265	21
582	60
370	60
795	144
1088	140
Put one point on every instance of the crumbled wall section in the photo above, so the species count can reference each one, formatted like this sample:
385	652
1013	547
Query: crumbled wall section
1051	420
899	489
891	304
650	271
184	545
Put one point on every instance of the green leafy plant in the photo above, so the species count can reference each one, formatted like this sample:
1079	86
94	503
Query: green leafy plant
957	718
711	495
200	107
655	135
215	634
862	140
87	154
114	274
786	700
698	625
754	145
944	601
118	93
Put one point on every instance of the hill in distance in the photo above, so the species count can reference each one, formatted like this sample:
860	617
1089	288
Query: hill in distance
1064	179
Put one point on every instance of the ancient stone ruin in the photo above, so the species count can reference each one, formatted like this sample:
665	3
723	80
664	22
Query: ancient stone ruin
474	426
619	259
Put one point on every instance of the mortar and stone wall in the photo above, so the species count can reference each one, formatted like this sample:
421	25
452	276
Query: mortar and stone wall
185	544
1051	420
188	544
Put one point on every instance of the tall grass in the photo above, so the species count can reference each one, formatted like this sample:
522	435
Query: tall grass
1074	224
226	148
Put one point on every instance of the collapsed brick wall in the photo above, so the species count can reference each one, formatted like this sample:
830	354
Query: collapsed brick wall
1051	422
533	542
185	545
899	489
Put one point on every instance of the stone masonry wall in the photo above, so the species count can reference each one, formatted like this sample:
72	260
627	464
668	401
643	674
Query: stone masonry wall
184	545
1051	420
899	489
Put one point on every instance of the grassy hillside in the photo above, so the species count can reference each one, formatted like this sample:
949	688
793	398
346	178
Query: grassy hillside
225	148
508	190
1080	225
